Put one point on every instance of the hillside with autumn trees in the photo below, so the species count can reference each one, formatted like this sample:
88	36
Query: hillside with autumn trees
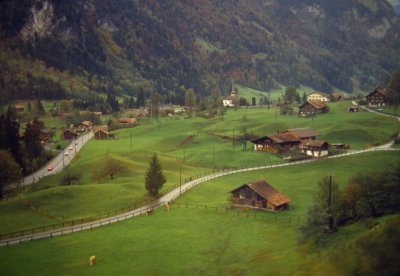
57	49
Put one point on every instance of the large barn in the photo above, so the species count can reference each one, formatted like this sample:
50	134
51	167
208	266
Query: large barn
260	195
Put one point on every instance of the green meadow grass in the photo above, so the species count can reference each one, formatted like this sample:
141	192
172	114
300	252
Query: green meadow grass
203	241
210	147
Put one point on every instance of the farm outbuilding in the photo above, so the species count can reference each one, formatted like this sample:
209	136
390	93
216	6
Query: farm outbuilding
312	107
101	133
315	148
260	195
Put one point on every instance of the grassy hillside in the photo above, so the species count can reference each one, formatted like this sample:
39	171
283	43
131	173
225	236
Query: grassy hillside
210	146
204	241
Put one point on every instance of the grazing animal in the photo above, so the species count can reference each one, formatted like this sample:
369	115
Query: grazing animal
150	212
92	260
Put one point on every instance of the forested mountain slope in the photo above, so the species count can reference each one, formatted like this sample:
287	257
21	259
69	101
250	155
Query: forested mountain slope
62	48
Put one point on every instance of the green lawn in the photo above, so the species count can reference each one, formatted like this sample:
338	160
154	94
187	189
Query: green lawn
203	241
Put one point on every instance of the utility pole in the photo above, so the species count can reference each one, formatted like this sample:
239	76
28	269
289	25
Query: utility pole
180	177
214	157
233	139
130	140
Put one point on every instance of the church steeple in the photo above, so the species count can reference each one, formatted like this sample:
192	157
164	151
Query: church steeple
233	91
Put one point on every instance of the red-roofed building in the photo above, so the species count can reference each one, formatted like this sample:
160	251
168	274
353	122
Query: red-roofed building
260	195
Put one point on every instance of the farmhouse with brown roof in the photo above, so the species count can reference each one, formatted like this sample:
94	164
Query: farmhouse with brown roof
378	97
284	141
312	107
101	133
260	195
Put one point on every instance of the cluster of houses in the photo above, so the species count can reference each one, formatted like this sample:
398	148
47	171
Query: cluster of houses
302	139
99	132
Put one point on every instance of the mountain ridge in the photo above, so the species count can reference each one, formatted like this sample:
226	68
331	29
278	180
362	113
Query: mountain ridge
121	47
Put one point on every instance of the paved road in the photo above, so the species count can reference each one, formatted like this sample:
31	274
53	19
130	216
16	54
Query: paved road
59	162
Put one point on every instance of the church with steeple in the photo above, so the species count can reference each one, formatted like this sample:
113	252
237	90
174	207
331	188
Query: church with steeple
232	99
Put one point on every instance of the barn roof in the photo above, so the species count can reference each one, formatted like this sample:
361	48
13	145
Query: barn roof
379	90
268	192
303	132
315	144
284	137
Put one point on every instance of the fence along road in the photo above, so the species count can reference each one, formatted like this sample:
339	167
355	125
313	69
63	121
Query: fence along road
168	198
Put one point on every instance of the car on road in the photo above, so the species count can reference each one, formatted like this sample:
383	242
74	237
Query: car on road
49	168
71	148
66	153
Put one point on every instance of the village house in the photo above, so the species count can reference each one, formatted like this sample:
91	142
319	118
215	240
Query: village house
284	141
70	134
232	99
260	195
101	133
378	97
19	107
126	121
45	135
315	148
84	126
319	96
312	107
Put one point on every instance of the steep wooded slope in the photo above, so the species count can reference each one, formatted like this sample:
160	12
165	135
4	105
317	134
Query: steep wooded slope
116	46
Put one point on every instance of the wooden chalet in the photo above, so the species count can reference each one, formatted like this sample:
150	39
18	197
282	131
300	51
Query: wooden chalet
378	97
312	107
84	126
70	134
260	195
315	148
284	141
101	133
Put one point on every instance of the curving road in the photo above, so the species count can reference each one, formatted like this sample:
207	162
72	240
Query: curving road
59	162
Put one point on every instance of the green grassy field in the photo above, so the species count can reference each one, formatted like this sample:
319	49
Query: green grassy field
203	241
248	93
47	202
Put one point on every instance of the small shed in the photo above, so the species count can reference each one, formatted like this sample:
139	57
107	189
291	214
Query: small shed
315	148
260	195
101	133
353	108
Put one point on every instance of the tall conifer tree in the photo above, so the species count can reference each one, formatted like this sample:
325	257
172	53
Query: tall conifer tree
155	178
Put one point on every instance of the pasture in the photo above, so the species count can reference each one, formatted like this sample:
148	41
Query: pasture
199	241
199	144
